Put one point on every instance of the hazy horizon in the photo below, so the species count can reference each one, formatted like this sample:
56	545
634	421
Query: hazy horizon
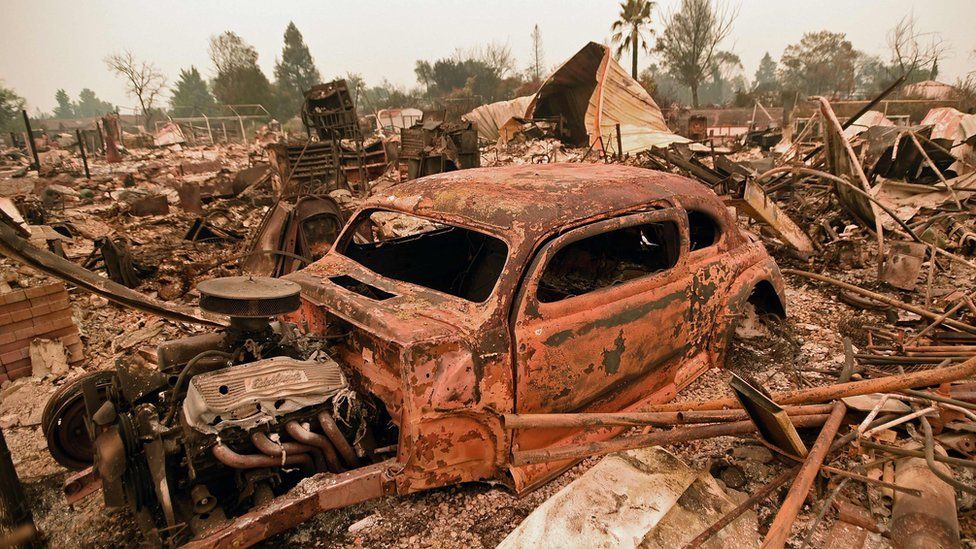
49	45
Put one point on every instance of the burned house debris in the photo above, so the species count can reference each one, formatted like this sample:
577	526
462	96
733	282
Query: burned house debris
434	145
683	325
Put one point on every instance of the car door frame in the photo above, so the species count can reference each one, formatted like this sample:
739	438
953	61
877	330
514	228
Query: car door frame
527	307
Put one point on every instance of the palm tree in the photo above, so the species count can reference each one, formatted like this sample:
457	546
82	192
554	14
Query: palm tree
628	31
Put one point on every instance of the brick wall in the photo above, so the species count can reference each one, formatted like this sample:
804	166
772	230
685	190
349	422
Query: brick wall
38	312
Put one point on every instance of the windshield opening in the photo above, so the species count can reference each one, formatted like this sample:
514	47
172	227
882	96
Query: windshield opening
446	258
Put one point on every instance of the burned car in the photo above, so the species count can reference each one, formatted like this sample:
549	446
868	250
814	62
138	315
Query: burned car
445	302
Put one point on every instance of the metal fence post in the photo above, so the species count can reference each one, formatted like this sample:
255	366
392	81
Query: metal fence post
30	141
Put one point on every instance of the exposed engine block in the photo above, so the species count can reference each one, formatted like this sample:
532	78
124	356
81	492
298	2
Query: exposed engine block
222	422
259	393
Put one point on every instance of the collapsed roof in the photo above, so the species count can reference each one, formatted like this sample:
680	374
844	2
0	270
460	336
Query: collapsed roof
591	94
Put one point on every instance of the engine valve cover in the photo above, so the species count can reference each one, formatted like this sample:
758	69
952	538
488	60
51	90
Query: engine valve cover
250	394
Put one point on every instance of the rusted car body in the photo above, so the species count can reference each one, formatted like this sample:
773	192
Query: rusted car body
446	366
444	303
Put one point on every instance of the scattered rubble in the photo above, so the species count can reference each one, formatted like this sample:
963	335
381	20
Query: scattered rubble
850	423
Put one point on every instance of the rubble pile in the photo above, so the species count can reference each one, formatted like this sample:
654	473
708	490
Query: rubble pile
849	423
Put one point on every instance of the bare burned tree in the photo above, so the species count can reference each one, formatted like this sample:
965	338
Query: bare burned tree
498	57
537	54
143	80
690	40
911	49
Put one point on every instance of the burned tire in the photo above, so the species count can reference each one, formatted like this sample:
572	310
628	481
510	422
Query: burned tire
63	422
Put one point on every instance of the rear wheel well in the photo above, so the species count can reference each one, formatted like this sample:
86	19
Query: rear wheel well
766	300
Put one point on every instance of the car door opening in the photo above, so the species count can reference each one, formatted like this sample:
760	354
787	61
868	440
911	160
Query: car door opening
608	259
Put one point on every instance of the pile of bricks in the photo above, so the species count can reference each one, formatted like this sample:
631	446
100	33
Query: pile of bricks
38	312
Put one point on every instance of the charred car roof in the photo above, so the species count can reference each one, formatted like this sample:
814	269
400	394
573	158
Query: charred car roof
534	198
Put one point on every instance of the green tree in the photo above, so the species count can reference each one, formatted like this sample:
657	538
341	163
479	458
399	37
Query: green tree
425	74
628	31
239	79
90	105
191	95
871	74
487	72
689	43
822	63
10	106
64	109
294	73
766	79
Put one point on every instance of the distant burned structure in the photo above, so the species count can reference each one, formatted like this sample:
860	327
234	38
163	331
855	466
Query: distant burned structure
336	155
435	145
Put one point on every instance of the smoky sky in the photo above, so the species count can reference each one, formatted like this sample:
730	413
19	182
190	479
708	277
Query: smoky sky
49	44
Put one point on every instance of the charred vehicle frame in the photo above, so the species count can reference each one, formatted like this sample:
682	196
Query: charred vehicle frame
523	289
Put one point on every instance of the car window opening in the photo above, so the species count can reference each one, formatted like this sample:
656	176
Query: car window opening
449	259
703	230
608	259
320	232
361	288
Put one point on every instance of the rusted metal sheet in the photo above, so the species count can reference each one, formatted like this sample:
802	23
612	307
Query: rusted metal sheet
757	205
446	367
771	420
80	485
903	264
320	493
945	122
491	117
595	95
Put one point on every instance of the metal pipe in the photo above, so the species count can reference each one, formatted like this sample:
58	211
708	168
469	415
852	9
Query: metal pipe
235	460
673	436
939	398
937	322
887	384
271	448
930	461
903	419
84	156
839	472
550	421
905	452
767	489
303	435
268	447
338	440
927	521
779	531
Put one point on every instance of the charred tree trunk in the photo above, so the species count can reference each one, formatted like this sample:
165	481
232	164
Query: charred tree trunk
633	51
694	95
16	521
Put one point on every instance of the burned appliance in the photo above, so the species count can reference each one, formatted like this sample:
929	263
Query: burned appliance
329	114
434	146
221	423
